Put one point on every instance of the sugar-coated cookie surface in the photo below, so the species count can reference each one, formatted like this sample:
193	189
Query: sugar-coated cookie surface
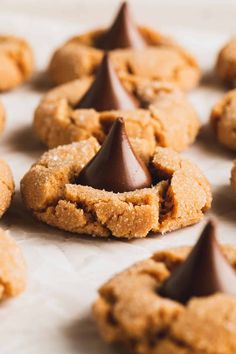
223	120
168	119
6	187
179	199
12	267
16	62
161	60
130	311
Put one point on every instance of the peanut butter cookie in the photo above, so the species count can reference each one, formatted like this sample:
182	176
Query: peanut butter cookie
135	51
6	187
52	191
226	63
2	117
223	120
16	62
12	267
162	117
132	311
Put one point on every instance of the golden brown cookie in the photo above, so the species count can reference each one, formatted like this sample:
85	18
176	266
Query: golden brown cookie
223	120
12	267
226	63
161	60
2	117
129	310
179	199
6	187
16	62
167	118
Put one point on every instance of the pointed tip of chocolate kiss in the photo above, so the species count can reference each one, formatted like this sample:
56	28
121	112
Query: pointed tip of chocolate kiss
123	33
106	92
208	234
204	272
124	6
115	167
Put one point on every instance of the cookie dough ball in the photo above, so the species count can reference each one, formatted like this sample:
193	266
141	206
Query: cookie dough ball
226	63
180	195
166	117
223	120
12	267
146	322
16	62
161	60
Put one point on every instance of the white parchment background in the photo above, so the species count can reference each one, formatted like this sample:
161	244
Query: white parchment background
64	271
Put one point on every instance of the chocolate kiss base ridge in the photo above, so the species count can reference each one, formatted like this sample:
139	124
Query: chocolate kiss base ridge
204	272
115	167
123	33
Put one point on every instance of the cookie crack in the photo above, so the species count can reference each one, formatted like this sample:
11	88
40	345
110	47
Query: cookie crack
159	136
180	344
96	218
166	203
91	215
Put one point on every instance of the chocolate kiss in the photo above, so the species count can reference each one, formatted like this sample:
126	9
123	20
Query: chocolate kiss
204	272
106	92
122	33
115	167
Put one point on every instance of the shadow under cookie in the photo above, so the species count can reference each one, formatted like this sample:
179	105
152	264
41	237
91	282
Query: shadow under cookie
208	143
39	82
78	335
224	204
210	80
24	140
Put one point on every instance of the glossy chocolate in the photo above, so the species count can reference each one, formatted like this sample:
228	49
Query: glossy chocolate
123	33
115	167
204	272
106	92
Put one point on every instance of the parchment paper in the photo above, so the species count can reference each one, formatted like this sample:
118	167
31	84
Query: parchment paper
64	271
